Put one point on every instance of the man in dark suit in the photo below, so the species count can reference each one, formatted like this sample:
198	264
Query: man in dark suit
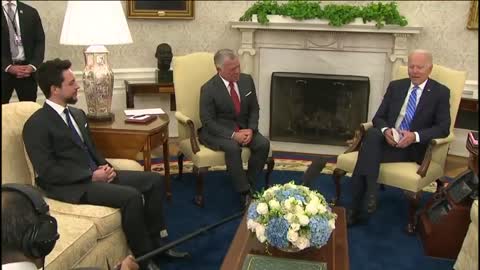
229	114
23	49
58	142
418	109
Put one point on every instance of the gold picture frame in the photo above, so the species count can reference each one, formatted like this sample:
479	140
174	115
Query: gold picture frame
162	9
473	15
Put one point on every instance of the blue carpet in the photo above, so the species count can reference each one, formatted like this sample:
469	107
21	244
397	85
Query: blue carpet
380	244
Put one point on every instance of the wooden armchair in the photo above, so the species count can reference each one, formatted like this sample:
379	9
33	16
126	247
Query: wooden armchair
190	72
410	176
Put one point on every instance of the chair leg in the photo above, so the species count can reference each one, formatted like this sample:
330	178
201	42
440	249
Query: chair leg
413	201
180	165
198	199
337	176
270	165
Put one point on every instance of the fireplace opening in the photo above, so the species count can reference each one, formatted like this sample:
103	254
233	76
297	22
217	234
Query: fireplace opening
317	108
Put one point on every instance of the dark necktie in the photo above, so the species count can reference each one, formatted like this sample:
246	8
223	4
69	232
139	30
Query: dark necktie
91	161
235	100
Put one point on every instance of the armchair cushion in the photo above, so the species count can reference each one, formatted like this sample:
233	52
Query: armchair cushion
105	219
207	157
468	257
78	237
399	174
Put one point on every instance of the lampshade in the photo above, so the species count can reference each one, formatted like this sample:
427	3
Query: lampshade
95	23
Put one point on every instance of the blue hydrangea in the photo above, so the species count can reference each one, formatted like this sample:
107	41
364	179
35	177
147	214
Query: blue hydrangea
320	231
276	232
252	211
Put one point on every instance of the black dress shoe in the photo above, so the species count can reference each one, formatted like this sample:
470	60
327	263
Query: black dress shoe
245	200
352	217
175	254
371	204
149	265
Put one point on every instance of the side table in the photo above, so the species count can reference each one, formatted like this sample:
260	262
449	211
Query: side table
117	139
150	88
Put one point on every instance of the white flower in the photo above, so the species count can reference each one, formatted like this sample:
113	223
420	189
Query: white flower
303	219
289	217
288	204
331	222
313	197
295	226
274	204
292	236
251	225
260	232
299	209
274	188
311	209
321	208
262	208
290	186
302	243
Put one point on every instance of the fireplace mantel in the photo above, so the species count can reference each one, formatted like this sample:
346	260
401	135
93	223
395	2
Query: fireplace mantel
397	56
323	26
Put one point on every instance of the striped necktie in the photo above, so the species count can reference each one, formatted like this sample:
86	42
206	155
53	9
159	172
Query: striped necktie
411	106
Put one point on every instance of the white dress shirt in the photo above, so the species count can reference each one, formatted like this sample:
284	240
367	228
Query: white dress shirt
19	266
60	110
227	83
403	110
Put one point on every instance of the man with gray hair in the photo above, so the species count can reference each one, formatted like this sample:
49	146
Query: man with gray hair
229	113
413	111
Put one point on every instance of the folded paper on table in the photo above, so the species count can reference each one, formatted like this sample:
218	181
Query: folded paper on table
260	262
144	111
141	119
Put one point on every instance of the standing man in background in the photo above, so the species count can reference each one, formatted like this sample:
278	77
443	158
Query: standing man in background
23	50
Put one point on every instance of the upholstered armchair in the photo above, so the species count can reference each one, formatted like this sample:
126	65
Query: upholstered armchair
410	176
468	257
190	72
88	234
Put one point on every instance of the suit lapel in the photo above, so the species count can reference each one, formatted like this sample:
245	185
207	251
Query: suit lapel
81	126
60	123
225	94
424	98
242	90
21	21
403	91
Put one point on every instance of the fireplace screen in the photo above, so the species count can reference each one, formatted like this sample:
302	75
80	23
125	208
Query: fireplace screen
317	108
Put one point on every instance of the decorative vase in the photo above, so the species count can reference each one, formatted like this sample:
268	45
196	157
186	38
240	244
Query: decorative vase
98	84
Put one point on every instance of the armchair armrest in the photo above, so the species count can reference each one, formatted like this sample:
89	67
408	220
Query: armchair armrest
358	137
422	170
185	120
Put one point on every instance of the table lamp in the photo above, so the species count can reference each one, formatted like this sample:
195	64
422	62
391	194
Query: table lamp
96	24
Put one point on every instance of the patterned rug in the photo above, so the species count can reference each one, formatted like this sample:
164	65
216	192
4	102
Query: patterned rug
281	164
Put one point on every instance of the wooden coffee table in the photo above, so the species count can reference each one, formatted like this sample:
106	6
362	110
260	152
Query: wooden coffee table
117	139
335	253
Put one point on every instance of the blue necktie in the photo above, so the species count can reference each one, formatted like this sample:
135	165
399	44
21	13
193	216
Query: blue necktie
91	161
411	106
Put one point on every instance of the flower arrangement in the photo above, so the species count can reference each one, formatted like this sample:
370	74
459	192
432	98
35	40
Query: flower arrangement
291	217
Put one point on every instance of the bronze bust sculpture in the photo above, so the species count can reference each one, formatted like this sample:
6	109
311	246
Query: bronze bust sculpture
164	58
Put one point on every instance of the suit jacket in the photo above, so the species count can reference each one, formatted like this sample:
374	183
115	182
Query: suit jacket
60	162
217	112
432	115
33	36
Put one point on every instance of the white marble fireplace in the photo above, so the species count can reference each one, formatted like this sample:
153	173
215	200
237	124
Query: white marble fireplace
361	50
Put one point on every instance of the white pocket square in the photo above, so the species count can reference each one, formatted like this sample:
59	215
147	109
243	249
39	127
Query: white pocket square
86	124
248	94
